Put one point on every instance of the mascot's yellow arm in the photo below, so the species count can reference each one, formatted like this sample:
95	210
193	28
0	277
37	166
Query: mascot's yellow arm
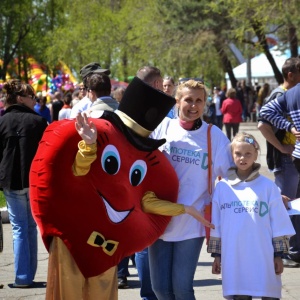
151	204
85	156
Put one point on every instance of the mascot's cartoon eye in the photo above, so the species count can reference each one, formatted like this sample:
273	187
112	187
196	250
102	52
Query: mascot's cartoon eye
110	160
137	172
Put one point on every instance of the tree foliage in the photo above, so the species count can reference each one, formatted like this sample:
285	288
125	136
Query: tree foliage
183	38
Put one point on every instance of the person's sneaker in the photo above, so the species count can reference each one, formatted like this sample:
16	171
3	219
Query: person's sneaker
288	263
22	286
122	283
294	257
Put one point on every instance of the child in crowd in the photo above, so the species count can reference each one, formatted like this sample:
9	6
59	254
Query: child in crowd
252	228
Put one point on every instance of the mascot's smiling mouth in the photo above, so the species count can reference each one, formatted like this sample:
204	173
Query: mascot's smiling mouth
114	215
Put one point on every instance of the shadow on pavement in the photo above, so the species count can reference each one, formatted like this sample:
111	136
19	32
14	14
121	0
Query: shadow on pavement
208	282
35	285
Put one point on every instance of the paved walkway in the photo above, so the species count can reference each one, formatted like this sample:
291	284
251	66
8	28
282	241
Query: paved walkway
207	286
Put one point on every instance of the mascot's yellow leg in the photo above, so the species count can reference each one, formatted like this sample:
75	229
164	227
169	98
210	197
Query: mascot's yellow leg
65	280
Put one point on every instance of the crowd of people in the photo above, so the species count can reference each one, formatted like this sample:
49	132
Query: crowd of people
215	170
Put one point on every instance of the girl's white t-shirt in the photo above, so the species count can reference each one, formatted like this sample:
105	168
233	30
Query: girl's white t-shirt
187	153
246	217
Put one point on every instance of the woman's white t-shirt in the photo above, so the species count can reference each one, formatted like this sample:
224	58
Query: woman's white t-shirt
187	153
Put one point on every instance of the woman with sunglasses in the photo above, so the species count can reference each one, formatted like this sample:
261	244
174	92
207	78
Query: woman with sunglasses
82	91
174	256
21	129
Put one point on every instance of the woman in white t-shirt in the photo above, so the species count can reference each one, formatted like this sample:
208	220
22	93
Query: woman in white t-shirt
174	256
65	111
251	228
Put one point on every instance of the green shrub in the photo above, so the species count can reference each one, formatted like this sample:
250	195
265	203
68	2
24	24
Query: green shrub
2	200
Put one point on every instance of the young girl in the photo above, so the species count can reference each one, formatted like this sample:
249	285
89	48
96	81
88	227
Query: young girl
251	227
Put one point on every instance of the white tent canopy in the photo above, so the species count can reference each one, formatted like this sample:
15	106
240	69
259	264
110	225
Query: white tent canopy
261	70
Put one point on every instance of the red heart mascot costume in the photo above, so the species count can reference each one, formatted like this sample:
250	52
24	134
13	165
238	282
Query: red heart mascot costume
90	220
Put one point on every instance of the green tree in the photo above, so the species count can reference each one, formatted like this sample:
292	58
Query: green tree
263	17
202	35
19	20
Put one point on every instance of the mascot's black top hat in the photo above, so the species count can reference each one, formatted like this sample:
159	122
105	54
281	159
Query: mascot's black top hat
141	110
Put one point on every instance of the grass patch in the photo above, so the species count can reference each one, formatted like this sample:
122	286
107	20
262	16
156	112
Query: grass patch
2	200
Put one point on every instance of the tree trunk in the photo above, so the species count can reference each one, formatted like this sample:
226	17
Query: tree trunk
293	40
256	25
125	66
226	64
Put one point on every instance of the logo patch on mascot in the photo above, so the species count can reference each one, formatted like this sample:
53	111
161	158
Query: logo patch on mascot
99	215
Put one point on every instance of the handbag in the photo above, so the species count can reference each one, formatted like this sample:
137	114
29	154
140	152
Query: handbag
207	210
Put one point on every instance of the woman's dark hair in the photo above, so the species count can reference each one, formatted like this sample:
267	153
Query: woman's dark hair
43	102
67	98
15	88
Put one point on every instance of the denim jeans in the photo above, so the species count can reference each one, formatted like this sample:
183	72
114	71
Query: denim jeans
172	268
142	265
287	179
24	235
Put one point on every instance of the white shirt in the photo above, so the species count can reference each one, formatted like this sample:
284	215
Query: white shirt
84	104
64	113
246	217
187	153
217	102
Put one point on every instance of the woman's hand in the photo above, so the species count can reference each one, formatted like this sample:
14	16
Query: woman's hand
87	130
191	210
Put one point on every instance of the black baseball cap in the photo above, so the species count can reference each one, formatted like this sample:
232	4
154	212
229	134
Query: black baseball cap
92	68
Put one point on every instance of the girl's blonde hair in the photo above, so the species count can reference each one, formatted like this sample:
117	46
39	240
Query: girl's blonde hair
247	138
190	84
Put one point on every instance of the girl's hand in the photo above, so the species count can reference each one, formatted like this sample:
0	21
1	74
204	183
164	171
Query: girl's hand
191	210
87	130
278	265
285	200
216	266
